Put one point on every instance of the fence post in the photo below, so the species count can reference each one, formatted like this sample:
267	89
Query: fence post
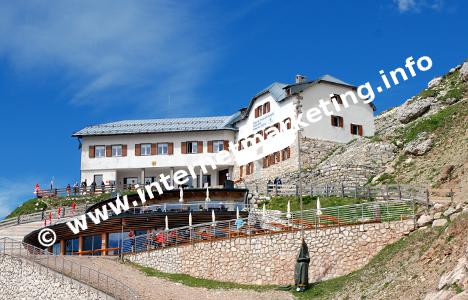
276	189
326	190
355	191
297	190
18	220
368	193
342	190
311	190
427	200
268	189
451	196
399	192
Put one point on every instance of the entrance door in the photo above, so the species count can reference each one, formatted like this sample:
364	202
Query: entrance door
222	176
98	179
131	180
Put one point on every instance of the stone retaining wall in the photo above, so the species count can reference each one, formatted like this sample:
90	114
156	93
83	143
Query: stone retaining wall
20	279
270	259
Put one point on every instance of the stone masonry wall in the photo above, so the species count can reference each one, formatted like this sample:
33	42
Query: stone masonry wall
270	259
313	152
20	279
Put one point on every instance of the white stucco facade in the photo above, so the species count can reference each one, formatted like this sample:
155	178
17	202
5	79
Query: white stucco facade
276	104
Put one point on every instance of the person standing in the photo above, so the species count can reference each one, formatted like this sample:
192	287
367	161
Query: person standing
68	190
37	190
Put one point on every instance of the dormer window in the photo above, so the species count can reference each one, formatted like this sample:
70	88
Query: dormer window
337	98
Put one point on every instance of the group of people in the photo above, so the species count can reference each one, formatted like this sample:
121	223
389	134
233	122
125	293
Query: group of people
276	183
72	190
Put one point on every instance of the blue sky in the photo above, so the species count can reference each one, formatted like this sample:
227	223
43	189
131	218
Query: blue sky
66	65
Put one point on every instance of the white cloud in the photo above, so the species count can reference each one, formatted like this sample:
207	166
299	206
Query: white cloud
109	50
13	193
418	5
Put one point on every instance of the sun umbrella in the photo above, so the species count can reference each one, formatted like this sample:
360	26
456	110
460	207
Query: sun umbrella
288	214
237	212
207	199
213	217
190	219
301	271
264	210
167	223
181	195
319	211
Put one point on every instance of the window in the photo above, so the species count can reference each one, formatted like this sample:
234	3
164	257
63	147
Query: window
117	150
286	153
145	149
258	111
266	108
218	146
163	149
249	168
337	121
206	180
192	147
356	129
336	98
100	151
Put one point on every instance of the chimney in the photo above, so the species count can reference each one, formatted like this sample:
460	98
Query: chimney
300	78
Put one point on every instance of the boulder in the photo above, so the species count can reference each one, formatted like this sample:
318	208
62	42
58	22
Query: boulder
425	220
450	211
439	223
437	215
412	111
434	82
464	71
419	146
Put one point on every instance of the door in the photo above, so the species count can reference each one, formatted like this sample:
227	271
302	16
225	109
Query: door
98	180
222	176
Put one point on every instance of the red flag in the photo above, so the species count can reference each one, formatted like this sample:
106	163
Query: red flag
58	212
50	217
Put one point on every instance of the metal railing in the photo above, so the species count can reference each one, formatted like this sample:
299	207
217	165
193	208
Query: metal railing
65	212
380	192
272	222
67	267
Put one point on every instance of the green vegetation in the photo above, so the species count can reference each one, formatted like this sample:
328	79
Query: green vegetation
281	202
427	93
456	87
386	178
439	120
198	282
29	206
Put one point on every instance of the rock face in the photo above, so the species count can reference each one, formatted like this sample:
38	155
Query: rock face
425	220
434	82
464	71
414	110
419	146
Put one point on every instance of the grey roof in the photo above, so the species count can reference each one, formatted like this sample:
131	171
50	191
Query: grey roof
160	125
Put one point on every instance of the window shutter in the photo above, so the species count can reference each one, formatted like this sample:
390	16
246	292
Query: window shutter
210	146
108	151
92	152
124	150
170	148
331	118
183	147
341	122
199	147
137	149
265	162
226	145
351	128
256	112
154	149
241	171
360	130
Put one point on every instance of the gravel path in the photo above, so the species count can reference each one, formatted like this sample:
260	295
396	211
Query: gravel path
157	288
